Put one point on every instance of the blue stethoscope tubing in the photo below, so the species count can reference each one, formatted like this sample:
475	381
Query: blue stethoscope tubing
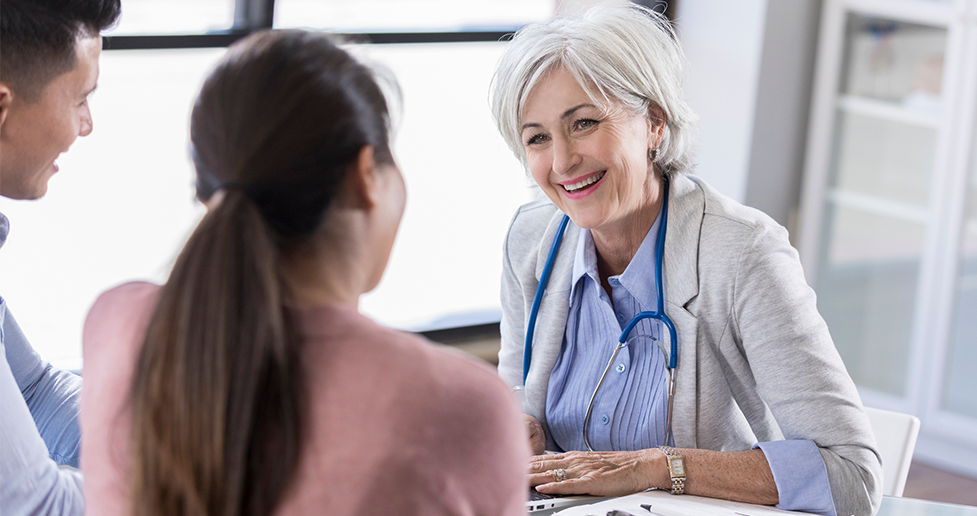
658	315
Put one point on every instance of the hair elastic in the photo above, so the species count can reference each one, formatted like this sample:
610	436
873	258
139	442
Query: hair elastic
246	189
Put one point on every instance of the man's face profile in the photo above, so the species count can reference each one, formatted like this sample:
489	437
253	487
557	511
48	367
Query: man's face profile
33	134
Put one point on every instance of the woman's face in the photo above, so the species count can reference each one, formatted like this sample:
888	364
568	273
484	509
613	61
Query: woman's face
592	164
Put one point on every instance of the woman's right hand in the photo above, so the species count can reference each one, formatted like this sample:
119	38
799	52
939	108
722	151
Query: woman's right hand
537	441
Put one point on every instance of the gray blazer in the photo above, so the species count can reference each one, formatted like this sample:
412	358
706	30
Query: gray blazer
756	362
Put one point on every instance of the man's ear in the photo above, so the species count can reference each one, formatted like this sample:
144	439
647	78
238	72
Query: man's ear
6	97
361	180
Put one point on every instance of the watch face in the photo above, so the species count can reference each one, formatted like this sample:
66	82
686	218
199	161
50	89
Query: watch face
678	468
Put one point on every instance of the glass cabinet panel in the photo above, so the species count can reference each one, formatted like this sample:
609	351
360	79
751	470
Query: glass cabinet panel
876	209
960	383
893	61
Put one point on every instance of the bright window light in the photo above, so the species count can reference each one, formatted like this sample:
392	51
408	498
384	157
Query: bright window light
410	15
122	204
141	17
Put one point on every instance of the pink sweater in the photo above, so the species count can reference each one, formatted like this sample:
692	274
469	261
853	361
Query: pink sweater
398	425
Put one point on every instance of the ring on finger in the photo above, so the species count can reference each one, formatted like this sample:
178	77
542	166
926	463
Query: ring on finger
559	474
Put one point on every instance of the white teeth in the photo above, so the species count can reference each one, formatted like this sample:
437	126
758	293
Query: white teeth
586	182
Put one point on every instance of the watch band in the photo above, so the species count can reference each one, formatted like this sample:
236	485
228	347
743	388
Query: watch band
676	469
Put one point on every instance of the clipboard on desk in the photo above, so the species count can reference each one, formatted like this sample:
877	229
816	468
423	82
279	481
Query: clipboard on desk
662	503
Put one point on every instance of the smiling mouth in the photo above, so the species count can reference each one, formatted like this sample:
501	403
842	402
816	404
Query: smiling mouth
583	185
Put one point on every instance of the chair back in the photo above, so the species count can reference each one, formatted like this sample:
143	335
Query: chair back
896	436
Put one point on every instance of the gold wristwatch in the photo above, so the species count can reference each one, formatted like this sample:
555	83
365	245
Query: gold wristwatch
676	469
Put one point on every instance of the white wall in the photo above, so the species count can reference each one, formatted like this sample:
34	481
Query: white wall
781	111
723	42
751	64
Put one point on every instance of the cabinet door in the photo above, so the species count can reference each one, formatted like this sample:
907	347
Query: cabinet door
875	211
959	389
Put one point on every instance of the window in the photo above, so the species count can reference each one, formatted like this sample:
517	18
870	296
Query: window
411	16
140	17
122	205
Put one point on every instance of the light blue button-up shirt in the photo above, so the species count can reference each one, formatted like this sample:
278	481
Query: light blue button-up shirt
35	400
627	415
630	410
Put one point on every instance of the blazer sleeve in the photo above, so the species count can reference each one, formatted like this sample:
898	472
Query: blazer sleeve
798	371
513	323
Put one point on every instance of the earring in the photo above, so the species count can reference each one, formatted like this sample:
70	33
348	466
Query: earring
652	154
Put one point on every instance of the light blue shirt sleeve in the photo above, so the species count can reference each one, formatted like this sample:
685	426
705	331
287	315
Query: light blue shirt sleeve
801	476
52	395
30	482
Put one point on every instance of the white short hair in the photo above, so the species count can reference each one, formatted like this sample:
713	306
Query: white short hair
620	54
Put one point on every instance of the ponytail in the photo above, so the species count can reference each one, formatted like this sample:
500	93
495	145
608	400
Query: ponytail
217	392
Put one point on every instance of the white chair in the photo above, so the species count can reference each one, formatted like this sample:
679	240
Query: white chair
896	435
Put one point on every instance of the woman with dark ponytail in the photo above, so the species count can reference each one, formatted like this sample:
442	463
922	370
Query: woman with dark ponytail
249	384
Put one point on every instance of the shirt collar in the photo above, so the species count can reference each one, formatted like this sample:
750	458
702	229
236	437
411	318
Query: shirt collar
584	262
4	229
639	276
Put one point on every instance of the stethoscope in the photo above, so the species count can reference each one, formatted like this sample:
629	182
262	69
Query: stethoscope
658	315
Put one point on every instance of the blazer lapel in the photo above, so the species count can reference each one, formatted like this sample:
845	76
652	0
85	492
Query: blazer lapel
555	305
686	206
552	319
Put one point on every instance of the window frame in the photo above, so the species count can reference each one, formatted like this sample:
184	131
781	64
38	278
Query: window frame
255	15
251	16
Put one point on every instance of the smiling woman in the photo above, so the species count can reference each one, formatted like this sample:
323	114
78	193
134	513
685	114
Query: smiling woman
592	162
732	406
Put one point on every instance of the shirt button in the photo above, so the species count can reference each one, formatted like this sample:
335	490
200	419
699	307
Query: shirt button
620	317
605	420
614	281
621	368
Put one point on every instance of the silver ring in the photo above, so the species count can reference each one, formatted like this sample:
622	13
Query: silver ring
560	474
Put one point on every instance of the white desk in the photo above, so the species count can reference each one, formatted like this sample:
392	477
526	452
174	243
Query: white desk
664	503
893	506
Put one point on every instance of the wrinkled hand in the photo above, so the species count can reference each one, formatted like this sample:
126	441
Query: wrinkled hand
615	473
537	441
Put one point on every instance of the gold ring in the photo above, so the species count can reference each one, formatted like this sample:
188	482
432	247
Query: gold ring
560	474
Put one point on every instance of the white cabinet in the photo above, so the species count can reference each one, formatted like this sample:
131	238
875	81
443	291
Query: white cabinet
888	232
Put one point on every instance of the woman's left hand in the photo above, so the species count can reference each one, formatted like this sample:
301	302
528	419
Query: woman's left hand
613	473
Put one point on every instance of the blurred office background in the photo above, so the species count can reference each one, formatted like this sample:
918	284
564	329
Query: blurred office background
850	122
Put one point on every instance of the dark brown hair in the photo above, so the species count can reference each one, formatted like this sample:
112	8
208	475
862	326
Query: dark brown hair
37	38
217	395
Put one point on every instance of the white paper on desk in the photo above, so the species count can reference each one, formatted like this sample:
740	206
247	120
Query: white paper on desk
667	504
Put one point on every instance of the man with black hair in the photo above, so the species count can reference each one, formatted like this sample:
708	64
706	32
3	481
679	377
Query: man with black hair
49	53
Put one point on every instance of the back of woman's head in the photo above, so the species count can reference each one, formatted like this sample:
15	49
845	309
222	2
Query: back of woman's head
281	118
217	395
